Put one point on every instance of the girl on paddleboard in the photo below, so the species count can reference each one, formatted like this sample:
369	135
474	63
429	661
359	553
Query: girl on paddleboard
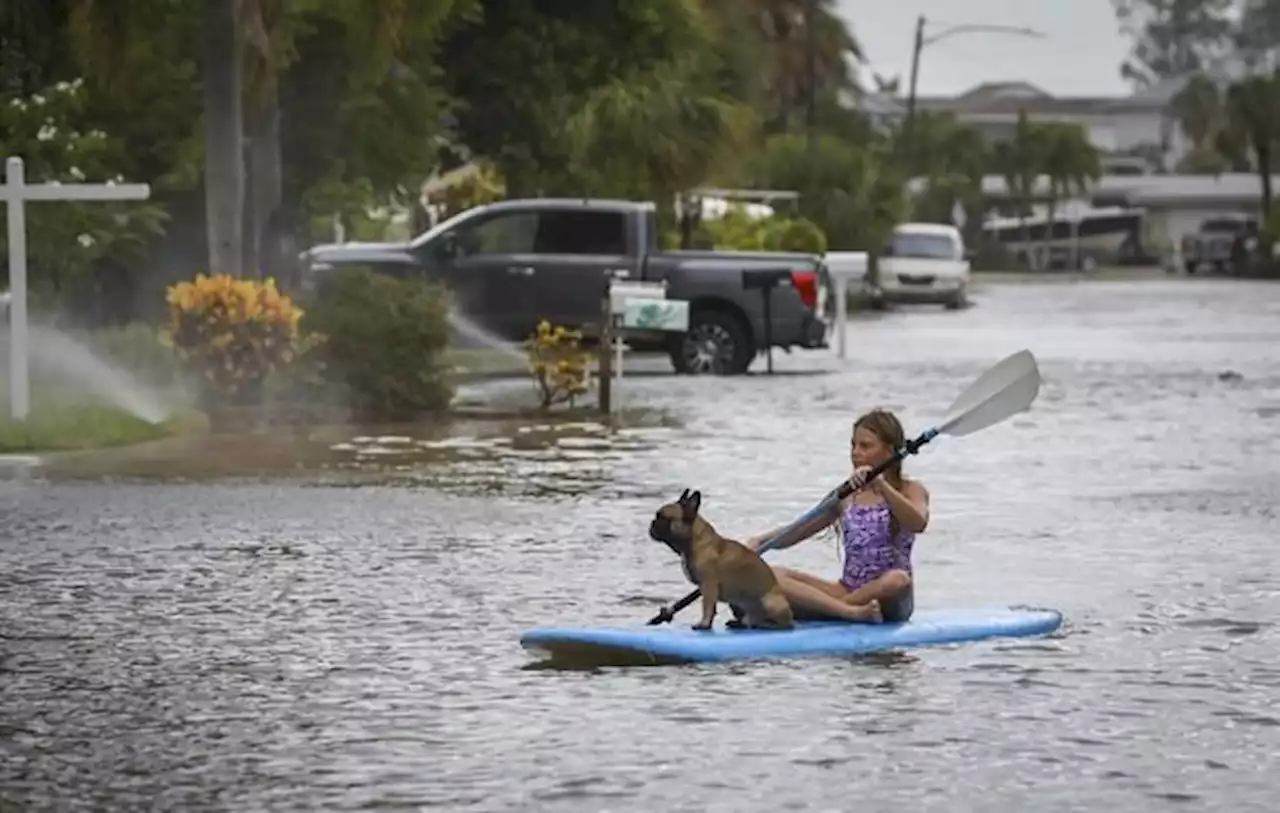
877	527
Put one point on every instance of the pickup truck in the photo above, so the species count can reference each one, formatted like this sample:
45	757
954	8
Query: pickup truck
1214	244
513	263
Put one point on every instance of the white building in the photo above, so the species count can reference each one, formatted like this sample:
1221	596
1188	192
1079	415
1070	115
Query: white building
1121	127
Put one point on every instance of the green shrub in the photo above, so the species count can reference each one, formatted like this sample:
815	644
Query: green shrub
794	234
736	231
383	344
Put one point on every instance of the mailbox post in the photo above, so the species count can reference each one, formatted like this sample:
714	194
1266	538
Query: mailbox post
765	280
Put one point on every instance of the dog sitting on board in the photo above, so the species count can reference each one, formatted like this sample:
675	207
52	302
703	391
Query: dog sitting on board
723	569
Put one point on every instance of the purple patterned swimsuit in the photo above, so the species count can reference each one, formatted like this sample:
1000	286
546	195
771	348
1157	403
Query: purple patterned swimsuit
868	551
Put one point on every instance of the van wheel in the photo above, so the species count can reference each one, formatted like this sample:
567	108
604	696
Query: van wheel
717	343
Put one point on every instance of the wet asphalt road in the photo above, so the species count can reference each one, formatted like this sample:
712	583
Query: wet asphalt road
295	645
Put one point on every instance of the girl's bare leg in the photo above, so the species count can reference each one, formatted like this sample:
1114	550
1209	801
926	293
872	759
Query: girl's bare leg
885	586
812	596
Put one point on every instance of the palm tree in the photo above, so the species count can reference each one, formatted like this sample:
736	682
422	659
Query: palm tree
1253	115
954	159
1020	161
1071	162
783	25
653	135
1198	109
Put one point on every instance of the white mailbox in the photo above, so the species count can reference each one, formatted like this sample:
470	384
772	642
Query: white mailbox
644	306
622	290
851	266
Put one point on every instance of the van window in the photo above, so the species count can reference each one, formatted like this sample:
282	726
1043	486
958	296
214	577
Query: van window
929	246
581	232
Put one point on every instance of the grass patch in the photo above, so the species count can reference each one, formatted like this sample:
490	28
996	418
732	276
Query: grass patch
86	426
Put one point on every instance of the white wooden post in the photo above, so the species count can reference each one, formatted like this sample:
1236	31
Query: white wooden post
15	193
844	267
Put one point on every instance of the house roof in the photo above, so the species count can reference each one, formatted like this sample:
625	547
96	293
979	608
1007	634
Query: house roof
1008	98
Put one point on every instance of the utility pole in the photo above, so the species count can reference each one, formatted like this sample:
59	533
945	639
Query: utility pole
908	124
811	71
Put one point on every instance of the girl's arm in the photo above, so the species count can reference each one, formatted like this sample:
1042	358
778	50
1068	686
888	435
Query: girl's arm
910	505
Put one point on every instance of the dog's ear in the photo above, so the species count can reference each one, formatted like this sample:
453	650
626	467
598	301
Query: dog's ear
691	505
684	495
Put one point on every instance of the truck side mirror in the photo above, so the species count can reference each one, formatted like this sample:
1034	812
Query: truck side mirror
446	247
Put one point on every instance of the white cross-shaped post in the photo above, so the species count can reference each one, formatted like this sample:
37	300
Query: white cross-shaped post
15	193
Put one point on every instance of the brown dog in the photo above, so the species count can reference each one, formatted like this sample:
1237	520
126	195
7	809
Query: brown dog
723	569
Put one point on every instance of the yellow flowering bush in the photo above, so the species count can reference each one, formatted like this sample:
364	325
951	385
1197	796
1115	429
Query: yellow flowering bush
234	332
558	364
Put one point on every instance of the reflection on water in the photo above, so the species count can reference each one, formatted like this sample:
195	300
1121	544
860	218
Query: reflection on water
537	459
499	454
274	645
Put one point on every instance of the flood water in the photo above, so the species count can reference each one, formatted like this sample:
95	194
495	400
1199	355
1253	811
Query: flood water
286	645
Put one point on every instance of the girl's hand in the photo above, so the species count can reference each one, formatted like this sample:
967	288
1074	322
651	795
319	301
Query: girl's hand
859	478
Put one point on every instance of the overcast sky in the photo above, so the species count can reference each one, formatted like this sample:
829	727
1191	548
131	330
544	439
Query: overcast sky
1080	53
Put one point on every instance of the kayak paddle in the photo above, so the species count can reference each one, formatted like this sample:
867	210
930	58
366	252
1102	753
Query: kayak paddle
1008	388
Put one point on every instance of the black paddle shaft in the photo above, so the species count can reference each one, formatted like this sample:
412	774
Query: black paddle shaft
667	614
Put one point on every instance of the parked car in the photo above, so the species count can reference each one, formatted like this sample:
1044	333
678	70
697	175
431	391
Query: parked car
924	263
1213	245
513	263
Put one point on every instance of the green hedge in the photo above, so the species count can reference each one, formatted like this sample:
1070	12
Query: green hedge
384	344
736	231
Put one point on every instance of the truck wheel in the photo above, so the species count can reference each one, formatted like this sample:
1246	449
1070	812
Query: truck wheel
717	343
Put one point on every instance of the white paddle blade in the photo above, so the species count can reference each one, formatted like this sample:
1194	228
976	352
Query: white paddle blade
1001	392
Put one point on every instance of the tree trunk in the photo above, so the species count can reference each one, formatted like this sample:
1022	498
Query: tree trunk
264	187
223	136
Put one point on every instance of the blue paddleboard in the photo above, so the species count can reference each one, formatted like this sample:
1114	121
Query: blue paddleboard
678	643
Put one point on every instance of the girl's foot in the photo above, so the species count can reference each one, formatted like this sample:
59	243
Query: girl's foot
868	613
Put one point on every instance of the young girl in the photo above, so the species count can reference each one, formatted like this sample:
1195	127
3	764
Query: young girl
877	526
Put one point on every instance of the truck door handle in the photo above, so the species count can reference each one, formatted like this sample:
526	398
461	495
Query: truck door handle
521	270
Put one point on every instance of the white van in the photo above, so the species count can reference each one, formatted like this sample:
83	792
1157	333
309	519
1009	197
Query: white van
925	263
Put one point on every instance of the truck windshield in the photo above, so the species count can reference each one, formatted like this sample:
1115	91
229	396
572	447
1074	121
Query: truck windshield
931	246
